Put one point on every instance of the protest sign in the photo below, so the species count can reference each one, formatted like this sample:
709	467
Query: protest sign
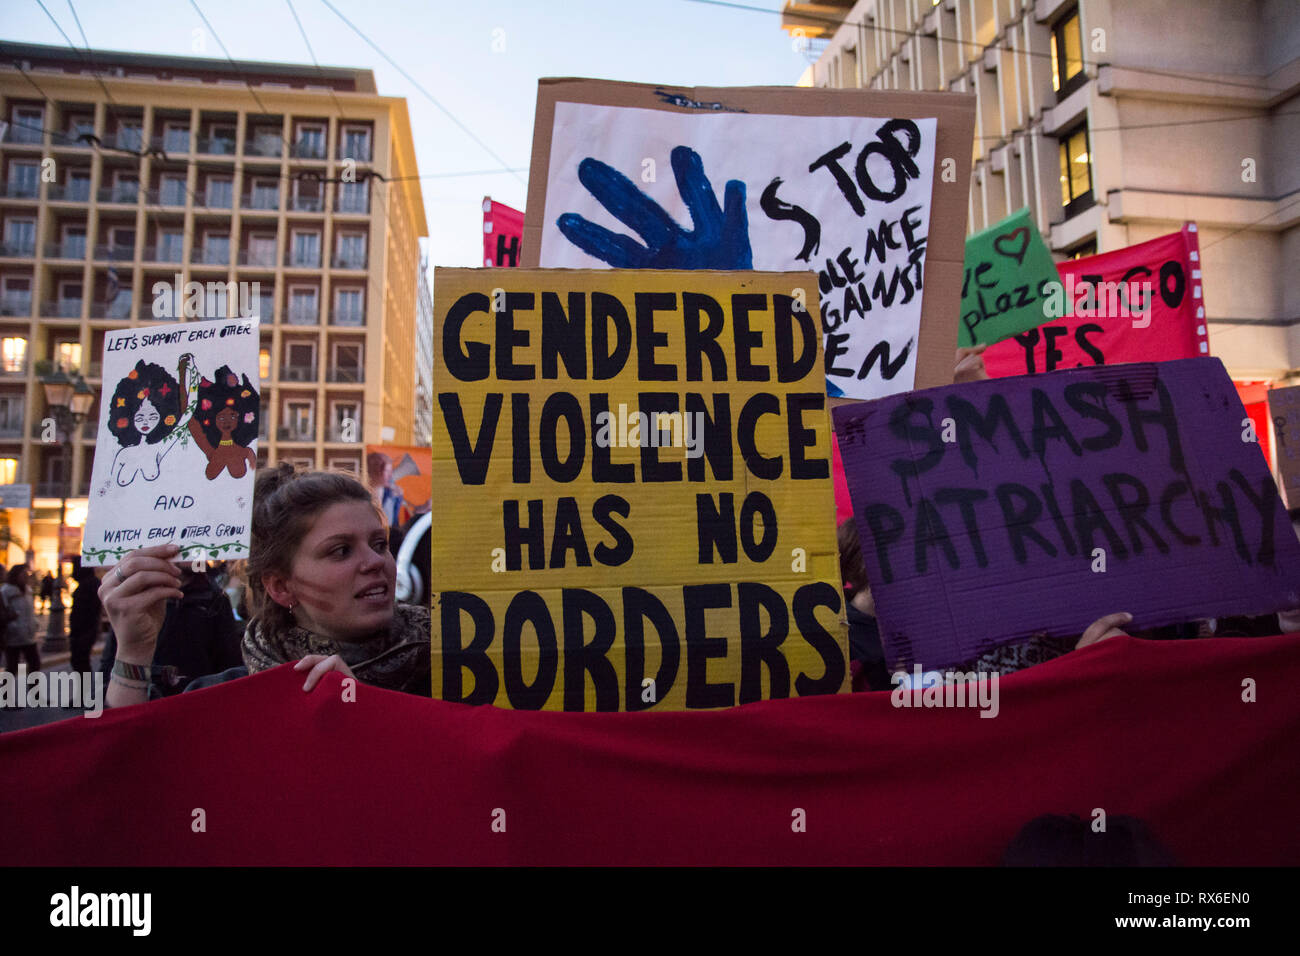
637	463
399	478
868	188
993	510
177	442
1138	304
1284	409
503	228
15	496
1009	276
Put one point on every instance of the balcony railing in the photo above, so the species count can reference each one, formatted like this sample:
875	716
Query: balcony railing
261	201
303	259
166	253
119	194
62	309
55	489
24	135
296	433
297	373
119	308
300	315
11	432
354	318
218	199
169	195
20	189
16	371
67	249
257	257
76	137
353	204
348	260
270	147
77	191
16	304
360	153
132	139
173	141
19	249
306	204
114	253
216	146
308	149
346	373
205	255
342	433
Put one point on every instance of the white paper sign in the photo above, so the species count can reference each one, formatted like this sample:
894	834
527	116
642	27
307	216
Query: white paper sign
848	197
177	443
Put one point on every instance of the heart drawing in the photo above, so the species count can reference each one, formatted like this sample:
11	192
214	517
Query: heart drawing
1011	251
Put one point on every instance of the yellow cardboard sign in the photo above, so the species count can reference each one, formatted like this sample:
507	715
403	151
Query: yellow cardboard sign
632	490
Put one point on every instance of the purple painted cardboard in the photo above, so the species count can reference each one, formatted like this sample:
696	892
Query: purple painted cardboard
1212	540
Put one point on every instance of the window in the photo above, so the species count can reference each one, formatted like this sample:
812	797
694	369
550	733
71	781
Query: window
74	242
304	305
78	185
171	245
1076	171
221	139
24	179
8	471
216	248
265	304
20	237
68	355
306	249
79	126
309	141
261	249
71	292
130	135
176	138
214	300
13	353
27	123
16	299
348	366
354	197
1067	55
349	307
219	192
264	363
356	143
351	250
298	417
266	141
126	187
122	240
11	415
1088	248
265	194
307	194
172	191
345	421
350	466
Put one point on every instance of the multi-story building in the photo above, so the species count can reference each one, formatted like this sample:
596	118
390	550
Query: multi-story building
423	430
298	184
1114	121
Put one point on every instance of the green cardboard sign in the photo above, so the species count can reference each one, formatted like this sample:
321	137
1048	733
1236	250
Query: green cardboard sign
1009	273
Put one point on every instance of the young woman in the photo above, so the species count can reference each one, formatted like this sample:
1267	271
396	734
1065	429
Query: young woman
321	582
20	636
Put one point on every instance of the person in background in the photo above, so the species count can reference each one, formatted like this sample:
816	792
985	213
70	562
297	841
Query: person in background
83	622
866	656
20	636
46	592
199	637
386	494
1288	622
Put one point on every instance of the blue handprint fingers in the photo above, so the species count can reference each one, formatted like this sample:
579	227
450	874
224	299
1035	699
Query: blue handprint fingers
627	203
619	251
697	193
735	227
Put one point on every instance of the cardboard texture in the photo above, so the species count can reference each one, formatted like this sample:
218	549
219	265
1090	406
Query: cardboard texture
994	510
177	441
1009	274
1142	303
503	228
574	573
791	164
1284	410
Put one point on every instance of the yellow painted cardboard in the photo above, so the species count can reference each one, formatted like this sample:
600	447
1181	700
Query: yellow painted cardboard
470	563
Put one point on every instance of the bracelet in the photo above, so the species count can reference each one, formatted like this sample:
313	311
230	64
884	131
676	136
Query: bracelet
133	684
167	675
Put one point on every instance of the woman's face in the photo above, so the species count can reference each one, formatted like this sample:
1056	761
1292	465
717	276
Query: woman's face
227	418
343	576
146	417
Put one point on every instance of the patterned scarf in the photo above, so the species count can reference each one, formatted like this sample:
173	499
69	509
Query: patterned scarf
395	659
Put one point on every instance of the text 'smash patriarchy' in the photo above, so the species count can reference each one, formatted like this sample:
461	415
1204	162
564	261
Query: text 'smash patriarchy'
177	441
635	470
993	510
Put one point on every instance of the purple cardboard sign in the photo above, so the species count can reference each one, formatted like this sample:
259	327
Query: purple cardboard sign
993	510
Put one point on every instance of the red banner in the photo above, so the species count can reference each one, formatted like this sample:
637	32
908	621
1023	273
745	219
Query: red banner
503	230
1142	303
291	778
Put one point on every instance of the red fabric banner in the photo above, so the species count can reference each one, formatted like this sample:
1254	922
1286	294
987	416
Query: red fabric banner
503	231
1156	730
1105	328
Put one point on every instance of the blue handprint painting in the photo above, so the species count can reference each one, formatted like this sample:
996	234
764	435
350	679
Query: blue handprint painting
846	197
719	239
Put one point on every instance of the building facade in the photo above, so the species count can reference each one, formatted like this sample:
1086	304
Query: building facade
422	433
288	191
1114	121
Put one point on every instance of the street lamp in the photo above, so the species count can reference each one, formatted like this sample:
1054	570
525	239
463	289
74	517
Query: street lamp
68	401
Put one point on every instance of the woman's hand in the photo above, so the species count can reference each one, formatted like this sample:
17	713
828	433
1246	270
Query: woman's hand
970	365
135	595
1104	627
320	666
